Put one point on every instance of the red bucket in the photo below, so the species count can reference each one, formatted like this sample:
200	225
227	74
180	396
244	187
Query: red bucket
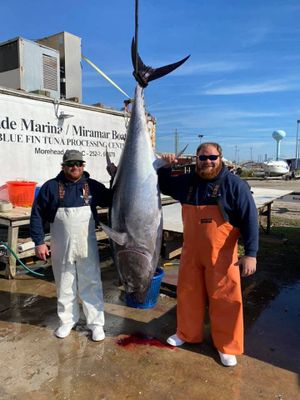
21	193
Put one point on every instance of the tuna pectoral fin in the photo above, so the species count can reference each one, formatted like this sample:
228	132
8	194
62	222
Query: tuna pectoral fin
108	160
118	237
146	73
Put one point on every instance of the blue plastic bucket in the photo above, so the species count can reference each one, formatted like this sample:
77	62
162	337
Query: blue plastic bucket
152	293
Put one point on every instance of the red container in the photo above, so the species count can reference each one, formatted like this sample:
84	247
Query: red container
21	193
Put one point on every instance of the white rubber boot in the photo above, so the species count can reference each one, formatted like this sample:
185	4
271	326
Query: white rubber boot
98	334
174	340
227	360
63	331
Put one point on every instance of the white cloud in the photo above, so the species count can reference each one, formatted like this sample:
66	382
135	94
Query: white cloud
256	35
195	68
262	87
235	114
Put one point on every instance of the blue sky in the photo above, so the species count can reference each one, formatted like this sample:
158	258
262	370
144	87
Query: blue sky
240	84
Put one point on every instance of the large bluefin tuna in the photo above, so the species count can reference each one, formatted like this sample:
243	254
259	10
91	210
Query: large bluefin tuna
136	214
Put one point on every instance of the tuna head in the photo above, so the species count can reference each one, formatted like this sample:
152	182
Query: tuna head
136	272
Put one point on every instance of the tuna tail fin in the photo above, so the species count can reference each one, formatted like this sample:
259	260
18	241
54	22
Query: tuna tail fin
146	73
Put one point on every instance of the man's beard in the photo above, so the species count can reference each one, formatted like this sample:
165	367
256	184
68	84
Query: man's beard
208	173
73	178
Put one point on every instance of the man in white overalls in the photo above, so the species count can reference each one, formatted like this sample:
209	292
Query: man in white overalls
68	202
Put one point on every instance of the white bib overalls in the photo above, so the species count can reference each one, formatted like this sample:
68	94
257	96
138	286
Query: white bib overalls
76	266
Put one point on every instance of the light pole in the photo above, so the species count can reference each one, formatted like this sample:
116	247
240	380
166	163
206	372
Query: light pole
176	141
297	144
236	154
200	137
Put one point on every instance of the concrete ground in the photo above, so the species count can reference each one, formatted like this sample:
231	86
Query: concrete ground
134	362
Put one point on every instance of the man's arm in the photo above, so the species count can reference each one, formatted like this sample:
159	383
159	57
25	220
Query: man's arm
37	224
249	229
103	195
168	184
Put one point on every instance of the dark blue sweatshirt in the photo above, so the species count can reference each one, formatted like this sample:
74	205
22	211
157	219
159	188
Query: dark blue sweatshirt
234	199
47	202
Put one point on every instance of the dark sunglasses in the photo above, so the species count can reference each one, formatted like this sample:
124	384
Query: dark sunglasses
71	164
212	157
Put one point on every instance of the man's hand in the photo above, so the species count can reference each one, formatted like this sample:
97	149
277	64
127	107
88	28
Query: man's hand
42	251
170	159
248	265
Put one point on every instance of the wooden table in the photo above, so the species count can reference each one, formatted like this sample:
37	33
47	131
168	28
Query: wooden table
18	216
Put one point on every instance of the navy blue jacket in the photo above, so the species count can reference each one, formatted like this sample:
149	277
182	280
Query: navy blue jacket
234	198
47	202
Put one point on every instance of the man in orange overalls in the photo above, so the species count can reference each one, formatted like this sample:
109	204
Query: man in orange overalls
217	207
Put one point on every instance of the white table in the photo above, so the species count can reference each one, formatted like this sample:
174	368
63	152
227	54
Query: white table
172	221
263	198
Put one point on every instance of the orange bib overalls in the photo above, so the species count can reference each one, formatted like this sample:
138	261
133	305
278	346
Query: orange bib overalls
207	274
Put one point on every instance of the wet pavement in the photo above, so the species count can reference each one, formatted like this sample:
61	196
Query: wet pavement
134	362
274	337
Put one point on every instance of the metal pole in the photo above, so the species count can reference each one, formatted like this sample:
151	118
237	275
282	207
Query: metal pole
277	149
200	137
235	154
176	141
297	143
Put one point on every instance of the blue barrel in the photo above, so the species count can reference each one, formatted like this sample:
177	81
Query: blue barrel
152	293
